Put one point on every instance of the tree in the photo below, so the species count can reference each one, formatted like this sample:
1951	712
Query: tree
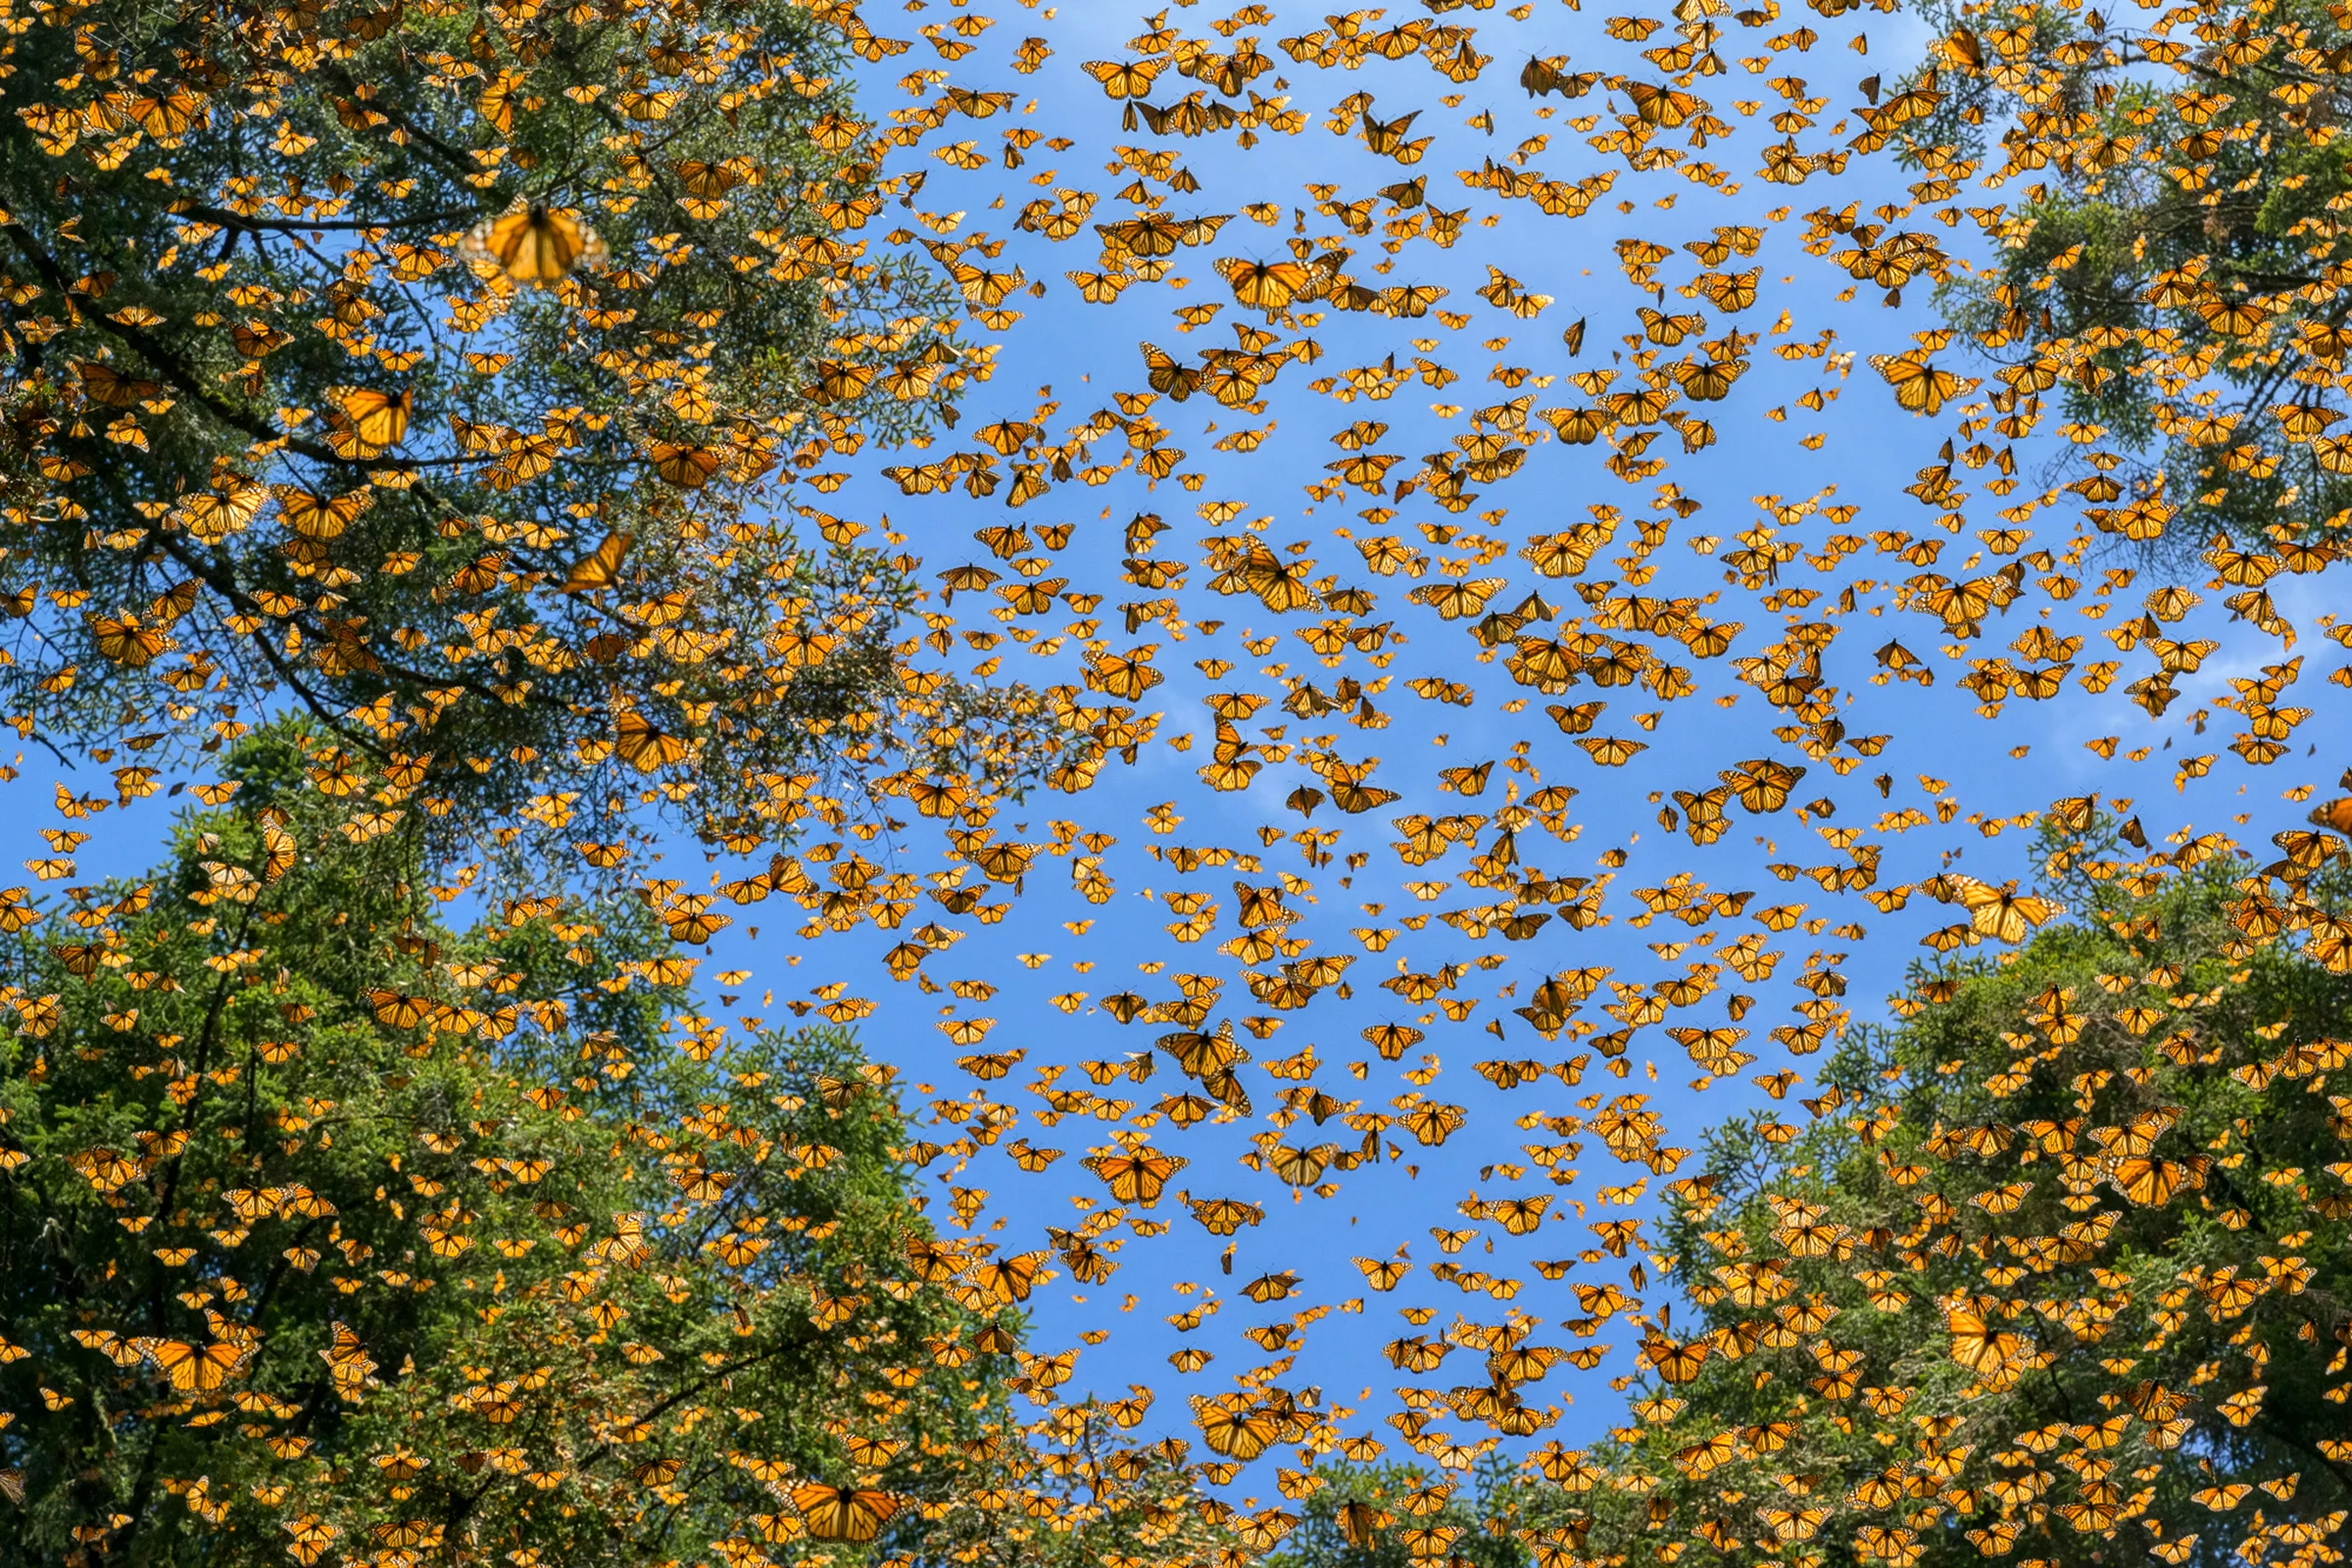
327	1227
1094	1501
431	369
1399	1515
2171	271
2060	1269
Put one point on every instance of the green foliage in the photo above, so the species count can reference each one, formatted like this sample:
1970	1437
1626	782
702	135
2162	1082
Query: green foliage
1387	1504
2178	195
520	1282
229	228
1141	1506
1951	1314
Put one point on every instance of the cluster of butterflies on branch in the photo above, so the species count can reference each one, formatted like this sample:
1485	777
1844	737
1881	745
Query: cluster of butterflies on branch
551	472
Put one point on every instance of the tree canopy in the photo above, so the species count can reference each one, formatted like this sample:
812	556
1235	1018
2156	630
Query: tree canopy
331	1227
2172	275
2060	1259
433	369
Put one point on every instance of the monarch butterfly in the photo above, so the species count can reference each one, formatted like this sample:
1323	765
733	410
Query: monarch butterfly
1579	428
371	826
1702	1458
2148	1181
1200	1055
1030	1157
1125	675
399	1010
656	1472
1975	1343
1640	407
1268	287
1962	604
1732	291
838	381
1610	751
1100	289
1454	600
687	468
707	185
2233	318
1522	1363
320	517
404	772
200	1368
1707	381
601	567
1521	1216
1279	588
695	926
1237	1434
1351	796
121	1352
1388	138
1410	300
1762	785
1322	971
127	641
1152	234
1169	375
2003	1199
996	1065
2004	913
279	849
1676	1364
1011	1279
2140	1136
1383	1276
1137	1177
173	114
536	244
1300	1167
378	419
1271	1286
1791	1525
645	748
1224	1216
842	1514
1919	386
872	1453
214	515
1668	330
1359	1522
1665	107
1123	78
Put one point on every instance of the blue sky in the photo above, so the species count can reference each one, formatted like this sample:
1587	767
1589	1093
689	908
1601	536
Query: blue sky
1055	943
1938	749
